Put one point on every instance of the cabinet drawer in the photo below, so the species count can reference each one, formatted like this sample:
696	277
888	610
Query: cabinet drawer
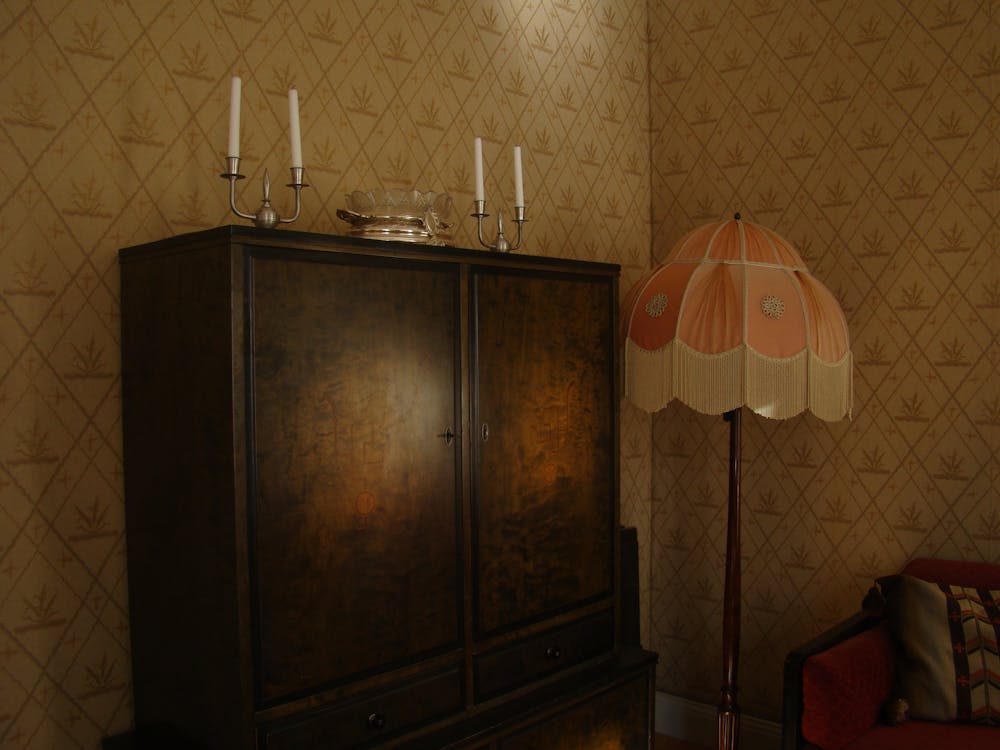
543	654
369	720
618	718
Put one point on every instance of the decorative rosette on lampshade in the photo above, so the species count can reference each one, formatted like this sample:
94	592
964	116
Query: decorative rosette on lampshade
734	318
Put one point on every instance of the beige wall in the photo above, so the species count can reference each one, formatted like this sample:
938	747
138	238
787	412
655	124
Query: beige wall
867	134
113	121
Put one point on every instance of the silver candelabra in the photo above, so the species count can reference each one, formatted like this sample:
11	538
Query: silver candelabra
501	244
266	217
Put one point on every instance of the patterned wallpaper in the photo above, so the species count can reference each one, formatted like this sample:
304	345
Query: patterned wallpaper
113	126
867	134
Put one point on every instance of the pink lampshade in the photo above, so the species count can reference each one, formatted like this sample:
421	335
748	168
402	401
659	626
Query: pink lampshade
733	318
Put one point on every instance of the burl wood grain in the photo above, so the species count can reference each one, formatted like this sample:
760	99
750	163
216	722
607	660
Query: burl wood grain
544	503
616	720
354	521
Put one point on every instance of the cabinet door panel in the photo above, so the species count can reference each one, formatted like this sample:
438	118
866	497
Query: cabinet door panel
544	481
355	519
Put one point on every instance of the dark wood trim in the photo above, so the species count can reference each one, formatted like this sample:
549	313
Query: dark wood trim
293	239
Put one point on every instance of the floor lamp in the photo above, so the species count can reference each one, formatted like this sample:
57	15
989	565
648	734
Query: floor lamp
731	319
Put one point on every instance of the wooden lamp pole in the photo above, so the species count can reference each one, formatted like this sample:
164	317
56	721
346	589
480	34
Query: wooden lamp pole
729	712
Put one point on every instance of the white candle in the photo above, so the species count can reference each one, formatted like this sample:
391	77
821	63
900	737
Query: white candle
480	190
234	117
294	133
518	178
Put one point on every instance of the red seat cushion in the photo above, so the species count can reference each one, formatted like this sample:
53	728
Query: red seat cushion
844	687
927	735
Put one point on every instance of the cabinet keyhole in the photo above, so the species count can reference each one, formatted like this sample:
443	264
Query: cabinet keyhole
376	721
448	435
486	431
553	652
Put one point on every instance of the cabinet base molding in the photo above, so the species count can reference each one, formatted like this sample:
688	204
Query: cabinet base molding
607	701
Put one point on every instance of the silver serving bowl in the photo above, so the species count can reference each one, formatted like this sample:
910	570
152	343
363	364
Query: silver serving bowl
397	214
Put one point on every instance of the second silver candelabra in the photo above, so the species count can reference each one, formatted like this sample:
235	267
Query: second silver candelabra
266	217
501	244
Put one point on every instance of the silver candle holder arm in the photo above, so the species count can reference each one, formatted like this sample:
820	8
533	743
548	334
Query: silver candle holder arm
500	244
266	217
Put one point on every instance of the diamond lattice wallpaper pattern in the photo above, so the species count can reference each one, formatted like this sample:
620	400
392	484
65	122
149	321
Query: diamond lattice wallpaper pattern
867	134
113	122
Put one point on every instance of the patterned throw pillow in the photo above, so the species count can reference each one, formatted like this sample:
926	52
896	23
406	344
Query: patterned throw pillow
949	668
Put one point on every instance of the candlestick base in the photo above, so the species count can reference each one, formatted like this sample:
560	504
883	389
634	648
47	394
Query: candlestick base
500	243
266	216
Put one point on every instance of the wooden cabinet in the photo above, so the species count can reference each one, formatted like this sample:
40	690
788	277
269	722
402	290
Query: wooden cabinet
371	494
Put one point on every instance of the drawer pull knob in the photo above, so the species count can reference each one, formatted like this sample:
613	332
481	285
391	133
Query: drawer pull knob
376	721
553	652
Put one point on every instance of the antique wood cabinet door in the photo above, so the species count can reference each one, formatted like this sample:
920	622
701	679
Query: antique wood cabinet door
544	478
354	514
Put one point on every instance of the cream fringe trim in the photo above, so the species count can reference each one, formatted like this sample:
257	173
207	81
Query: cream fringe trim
717	383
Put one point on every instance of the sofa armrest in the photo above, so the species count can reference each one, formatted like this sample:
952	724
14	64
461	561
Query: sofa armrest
858	640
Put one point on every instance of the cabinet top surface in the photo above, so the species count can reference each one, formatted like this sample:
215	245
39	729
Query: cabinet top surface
250	237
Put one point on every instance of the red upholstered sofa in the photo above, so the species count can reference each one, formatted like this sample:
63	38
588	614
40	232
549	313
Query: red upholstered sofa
835	686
